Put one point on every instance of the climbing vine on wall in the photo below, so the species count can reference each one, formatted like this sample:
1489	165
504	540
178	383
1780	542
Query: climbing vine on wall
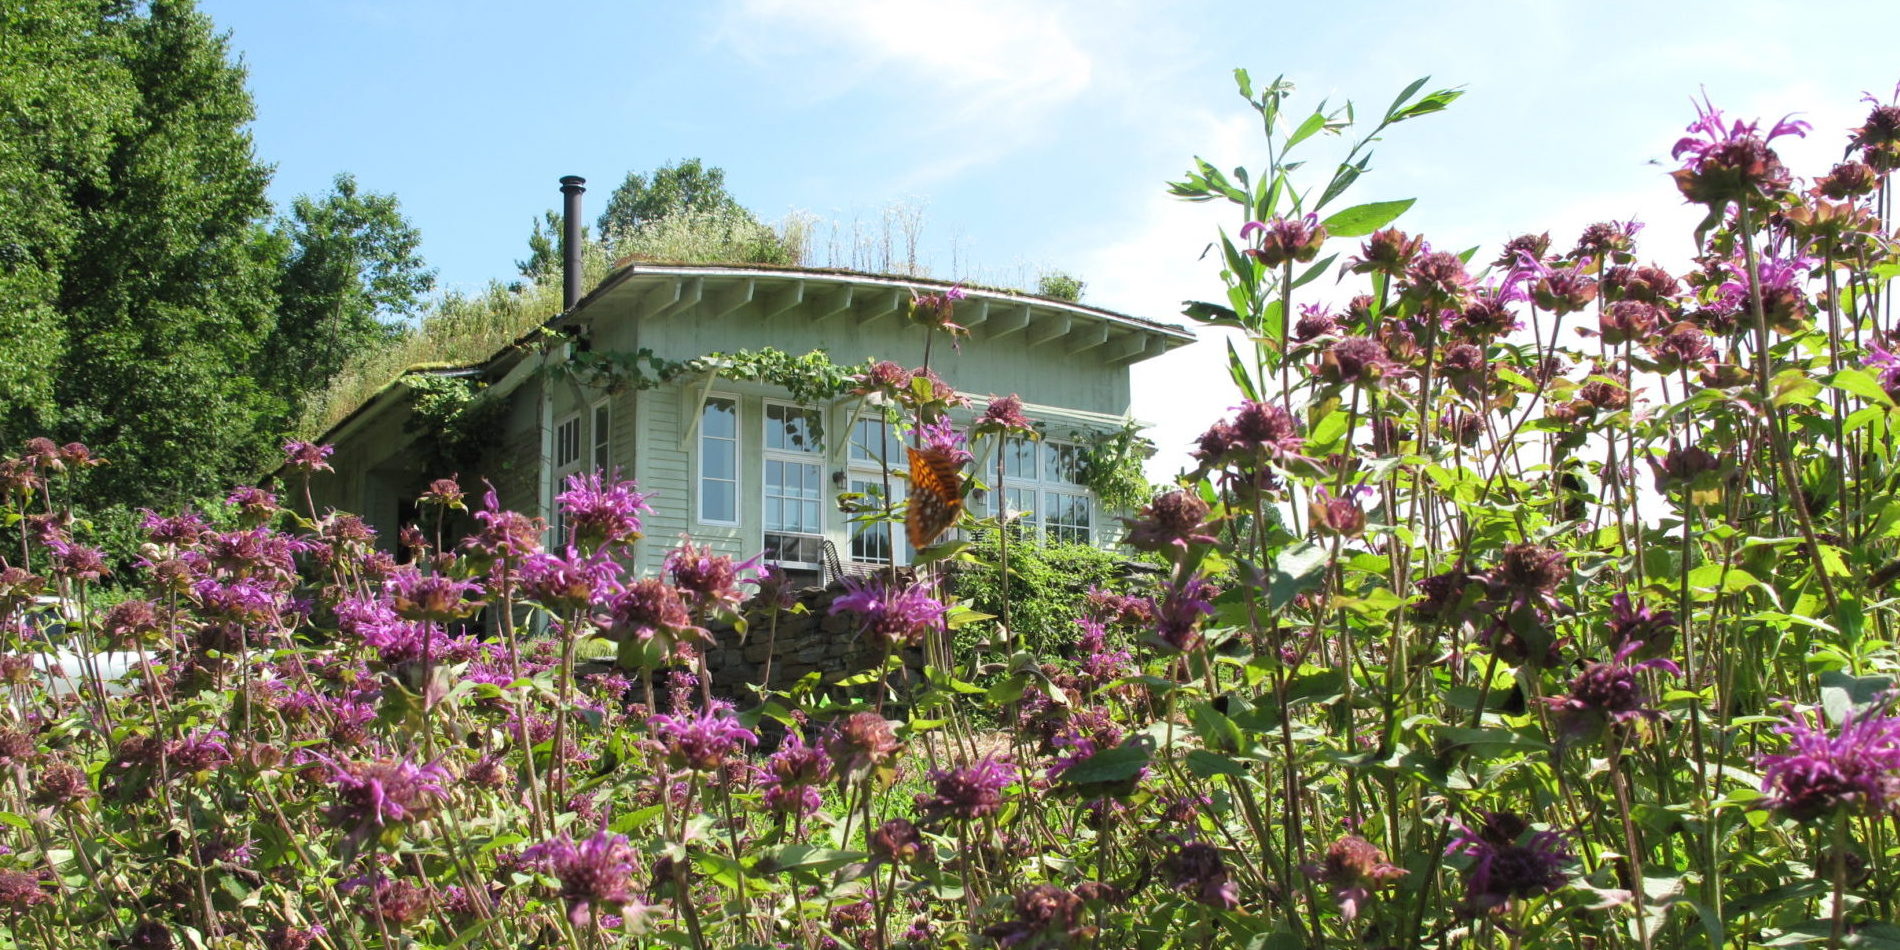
457	422
1112	466
810	379
614	372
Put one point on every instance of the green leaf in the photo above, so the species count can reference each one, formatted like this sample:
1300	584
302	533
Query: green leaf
1313	124
1297	569
1211	314
1243	378
1118	764
1392	111
813	858
1361	220
1861	383
1208	764
1842	694
1007	690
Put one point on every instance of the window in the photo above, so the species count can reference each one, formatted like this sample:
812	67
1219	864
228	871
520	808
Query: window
603	436
794	486
567	442
567	461
1042	490
719	461
876	458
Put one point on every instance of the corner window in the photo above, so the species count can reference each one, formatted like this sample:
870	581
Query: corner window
1042	491
793	486
877	460
567	442
719	461
603	436
567	461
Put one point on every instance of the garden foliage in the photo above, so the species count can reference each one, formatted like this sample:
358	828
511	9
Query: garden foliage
1538	603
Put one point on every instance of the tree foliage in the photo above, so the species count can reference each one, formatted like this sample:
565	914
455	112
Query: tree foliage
164	276
350	280
682	212
140	279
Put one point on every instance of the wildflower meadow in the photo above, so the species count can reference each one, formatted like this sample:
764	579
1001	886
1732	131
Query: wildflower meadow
1533	597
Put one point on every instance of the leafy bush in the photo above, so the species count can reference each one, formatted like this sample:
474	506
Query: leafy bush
1047	586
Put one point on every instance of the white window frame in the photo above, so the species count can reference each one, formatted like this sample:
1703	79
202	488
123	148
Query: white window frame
1050	492
813	456
569	455
699	460
871	471
600	421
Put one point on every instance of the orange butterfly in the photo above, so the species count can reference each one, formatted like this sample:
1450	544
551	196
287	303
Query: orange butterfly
936	495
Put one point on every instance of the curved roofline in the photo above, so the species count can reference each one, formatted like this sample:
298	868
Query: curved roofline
630	269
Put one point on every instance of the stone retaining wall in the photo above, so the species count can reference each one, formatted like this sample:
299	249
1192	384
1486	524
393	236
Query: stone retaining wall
811	641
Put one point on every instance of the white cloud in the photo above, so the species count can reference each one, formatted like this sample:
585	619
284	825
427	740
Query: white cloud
985	76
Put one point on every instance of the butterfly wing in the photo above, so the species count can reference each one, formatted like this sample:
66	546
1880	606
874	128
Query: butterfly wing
936	496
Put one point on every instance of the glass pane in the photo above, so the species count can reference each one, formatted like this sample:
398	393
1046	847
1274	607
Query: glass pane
1019	459
1061	463
790	429
719	501
720	420
872	441
718	460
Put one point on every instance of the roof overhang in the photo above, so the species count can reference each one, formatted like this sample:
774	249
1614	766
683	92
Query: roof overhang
648	291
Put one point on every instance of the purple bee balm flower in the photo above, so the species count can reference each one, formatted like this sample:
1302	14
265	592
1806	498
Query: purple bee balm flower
1175	519
1285	239
1047	916
571	583
1341	515
890	613
703	741
1725	161
886	378
650	608
1004	414
184	528
970	792
942	438
1509	860
254	504
861	742
1197	869
596	873
1436	279
307	457
1857	770
1353	868
1179	611
602	511
711	581
792	773
434	598
372	796
1649	631
1607	694
199	752
504	535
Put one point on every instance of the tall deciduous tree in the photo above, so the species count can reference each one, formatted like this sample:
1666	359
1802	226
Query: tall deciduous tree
64	94
168	284
683	186
351	277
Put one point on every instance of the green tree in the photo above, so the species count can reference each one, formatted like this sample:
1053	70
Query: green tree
683	212
165	277
63	96
350	281
683	186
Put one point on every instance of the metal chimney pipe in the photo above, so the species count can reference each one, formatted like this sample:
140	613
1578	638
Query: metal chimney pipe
571	188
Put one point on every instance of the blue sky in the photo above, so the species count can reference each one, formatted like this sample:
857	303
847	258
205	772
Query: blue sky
1031	135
